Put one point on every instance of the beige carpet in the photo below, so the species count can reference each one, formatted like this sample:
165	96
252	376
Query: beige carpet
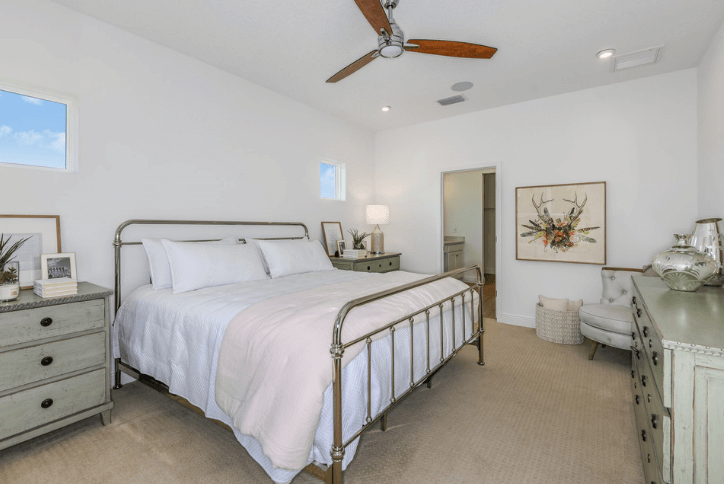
537	412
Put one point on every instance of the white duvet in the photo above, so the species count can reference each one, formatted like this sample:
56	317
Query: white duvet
177	339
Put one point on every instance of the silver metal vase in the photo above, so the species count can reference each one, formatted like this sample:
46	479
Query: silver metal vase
706	238
682	267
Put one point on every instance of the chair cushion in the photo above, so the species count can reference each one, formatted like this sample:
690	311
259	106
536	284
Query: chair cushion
609	338
608	317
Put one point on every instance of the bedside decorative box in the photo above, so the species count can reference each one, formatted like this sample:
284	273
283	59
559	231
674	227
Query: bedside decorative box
55	361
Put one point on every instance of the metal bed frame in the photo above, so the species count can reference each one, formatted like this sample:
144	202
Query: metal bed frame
333	474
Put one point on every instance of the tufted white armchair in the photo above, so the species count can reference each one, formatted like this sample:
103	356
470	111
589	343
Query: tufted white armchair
611	321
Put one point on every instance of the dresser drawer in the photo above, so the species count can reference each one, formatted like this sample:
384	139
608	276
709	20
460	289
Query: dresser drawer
646	444
40	405
50	321
651	344
36	363
383	265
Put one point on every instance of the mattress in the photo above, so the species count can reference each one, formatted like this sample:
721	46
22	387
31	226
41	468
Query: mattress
176	338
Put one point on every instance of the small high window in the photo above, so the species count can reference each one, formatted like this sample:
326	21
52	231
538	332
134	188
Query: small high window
37	128
332	180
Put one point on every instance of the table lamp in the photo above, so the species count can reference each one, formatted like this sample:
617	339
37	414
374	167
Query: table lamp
377	214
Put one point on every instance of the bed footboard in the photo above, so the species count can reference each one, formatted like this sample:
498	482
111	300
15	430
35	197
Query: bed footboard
334	474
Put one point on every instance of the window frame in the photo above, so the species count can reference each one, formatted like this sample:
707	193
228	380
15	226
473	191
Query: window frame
71	123
340	179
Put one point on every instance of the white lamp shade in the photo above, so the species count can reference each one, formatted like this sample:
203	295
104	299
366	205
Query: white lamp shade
378	214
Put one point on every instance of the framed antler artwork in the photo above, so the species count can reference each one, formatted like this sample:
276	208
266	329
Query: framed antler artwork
561	223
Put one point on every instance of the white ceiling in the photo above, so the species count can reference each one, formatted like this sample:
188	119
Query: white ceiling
545	48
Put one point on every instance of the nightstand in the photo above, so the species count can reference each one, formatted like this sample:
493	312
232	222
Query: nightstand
54	362
372	263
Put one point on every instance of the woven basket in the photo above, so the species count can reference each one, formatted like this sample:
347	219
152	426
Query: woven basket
562	327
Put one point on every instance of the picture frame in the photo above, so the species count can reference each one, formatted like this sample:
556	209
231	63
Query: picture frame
341	247
561	223
54	266
44	233
332	232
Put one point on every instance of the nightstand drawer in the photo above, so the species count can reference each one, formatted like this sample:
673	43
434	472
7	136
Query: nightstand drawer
37	406
36	363
51	321
379	265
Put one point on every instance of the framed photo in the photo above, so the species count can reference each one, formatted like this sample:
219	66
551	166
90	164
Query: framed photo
44	233
332	233
341	247
55	266
561	223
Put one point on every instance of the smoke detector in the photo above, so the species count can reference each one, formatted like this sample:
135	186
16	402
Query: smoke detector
638	58
451	100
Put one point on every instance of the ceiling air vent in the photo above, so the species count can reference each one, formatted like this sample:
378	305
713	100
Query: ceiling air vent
638	58
451	100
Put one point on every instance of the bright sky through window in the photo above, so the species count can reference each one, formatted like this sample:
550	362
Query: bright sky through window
32	131
327	180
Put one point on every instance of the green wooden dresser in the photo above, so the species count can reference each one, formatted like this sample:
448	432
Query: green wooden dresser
372	263
54	362
677	382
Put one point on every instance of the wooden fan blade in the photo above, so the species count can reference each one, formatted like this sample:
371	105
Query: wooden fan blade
375	15
354	67
451	48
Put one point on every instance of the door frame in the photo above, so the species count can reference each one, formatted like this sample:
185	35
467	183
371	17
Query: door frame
497	166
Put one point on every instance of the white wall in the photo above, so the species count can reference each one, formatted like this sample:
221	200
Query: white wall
166	136
711	130
463	192
639	136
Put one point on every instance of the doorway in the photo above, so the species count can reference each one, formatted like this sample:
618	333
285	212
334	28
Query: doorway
469	227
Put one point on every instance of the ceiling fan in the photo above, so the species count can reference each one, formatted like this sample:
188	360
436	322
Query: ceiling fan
391	40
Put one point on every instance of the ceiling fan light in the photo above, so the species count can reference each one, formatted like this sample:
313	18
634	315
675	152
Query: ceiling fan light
385	109
605	54
391	51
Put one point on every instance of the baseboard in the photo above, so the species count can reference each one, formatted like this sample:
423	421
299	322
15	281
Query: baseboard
516	320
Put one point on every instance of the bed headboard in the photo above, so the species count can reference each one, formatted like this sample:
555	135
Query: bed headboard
118	243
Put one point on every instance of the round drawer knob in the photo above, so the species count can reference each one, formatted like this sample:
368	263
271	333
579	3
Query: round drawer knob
646	331
45	322
390	263
643	380
638	313
655	358
643	435
46	361
368	268
654	422
638	400
47	403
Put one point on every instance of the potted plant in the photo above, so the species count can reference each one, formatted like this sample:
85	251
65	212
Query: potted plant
358	240
9	269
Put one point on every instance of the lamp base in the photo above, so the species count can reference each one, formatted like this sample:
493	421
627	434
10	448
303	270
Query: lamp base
377	242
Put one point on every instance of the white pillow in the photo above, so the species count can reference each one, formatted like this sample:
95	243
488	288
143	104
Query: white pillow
286	257
554	304
195	266
255	242
158	260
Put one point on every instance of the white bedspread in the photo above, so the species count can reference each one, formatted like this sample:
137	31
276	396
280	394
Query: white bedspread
177	338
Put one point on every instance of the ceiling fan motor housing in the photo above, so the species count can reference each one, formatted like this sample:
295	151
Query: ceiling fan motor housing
392	45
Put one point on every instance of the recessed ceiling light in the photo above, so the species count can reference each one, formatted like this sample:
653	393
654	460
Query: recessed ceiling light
605	54
461	86
385	109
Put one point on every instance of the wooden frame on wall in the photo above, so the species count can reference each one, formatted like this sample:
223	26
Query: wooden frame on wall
561	223
44	233
332	232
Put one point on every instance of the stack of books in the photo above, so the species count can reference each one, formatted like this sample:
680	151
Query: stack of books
62	286
354	253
